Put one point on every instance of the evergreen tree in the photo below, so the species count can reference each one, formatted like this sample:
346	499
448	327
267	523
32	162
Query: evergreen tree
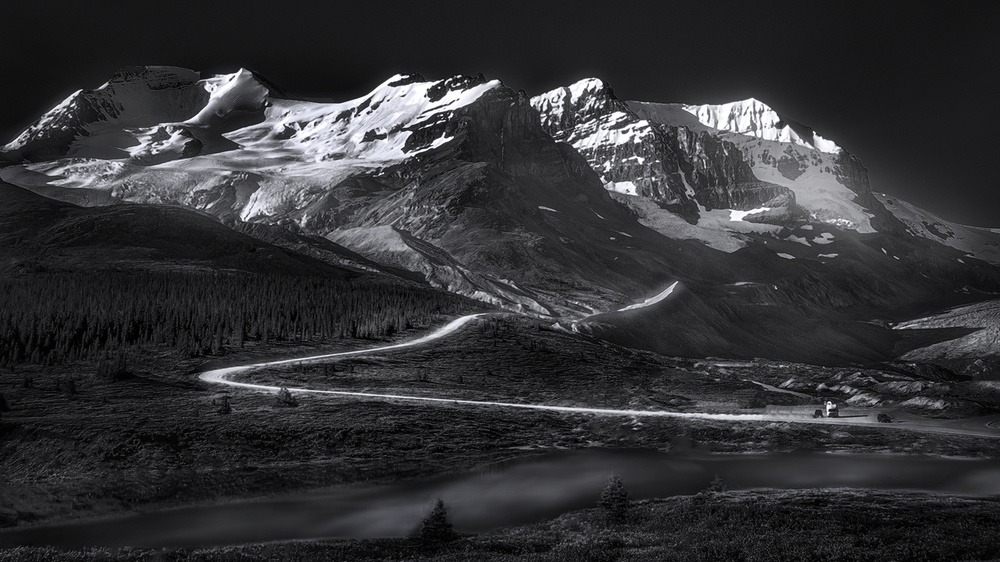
435	531
717	485
614	500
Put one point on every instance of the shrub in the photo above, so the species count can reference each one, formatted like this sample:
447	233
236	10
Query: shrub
285	398
223	403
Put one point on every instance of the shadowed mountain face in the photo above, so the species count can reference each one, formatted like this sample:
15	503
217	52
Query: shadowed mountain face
802	309
567	204
686	324
40	234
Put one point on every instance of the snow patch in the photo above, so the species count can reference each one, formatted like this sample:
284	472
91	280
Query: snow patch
652	300
735	215
549	209
786	256
623	187
828	255
824	238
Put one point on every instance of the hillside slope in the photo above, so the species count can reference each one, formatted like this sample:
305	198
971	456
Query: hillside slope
40	234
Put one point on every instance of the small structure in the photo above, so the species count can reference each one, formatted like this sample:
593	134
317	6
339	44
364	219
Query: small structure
831	409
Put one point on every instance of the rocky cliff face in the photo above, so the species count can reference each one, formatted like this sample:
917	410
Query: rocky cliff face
720	175
853	174
830	183
680	169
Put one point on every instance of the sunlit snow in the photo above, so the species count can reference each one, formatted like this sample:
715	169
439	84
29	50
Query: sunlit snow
735	215
623	187
753	118
652	300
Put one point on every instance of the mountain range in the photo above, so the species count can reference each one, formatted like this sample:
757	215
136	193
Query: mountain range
693	230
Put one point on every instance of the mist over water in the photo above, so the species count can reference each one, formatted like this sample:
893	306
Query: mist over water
519	492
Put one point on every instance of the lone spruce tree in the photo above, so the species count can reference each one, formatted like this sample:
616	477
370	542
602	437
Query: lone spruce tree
435	531
614	500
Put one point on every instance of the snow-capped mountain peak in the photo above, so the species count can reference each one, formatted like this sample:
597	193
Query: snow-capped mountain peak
578	101
210	129
582	87
755	118
45	122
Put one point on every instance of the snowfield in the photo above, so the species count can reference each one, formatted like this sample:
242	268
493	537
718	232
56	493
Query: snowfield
292	149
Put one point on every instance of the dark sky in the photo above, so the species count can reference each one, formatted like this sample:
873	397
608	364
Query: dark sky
909	90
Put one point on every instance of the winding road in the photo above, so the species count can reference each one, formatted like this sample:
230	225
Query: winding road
977	427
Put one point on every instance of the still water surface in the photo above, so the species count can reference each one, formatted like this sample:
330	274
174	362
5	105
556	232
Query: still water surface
519	492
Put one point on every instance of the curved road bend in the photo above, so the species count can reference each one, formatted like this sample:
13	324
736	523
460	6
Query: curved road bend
978	427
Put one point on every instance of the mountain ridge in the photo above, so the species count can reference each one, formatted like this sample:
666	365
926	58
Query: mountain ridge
562	205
